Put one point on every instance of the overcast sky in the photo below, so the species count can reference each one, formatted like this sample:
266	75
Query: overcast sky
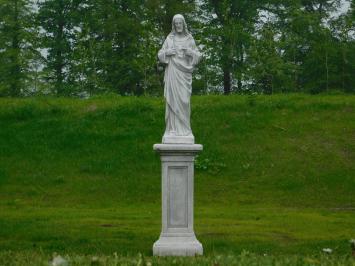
344	7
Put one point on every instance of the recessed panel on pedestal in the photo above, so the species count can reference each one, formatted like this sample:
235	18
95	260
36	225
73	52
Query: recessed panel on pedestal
178	196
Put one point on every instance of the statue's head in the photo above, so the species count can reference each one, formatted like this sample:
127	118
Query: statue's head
179	25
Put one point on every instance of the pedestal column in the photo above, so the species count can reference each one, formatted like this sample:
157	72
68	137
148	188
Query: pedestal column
177	237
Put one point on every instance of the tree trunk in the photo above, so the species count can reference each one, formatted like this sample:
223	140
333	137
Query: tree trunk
59	64
15	86
327	68
240	67
343	68
295	78
226	80
59	60
240	84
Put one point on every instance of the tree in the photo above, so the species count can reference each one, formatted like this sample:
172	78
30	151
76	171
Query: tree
16	52
161	12
107	47
98	46
56	18
342	31
307	42
269	72
233	22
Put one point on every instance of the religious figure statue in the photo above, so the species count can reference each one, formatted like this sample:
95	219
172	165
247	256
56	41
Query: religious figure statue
181	55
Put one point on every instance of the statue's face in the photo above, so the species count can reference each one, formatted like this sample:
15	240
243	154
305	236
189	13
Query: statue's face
179	25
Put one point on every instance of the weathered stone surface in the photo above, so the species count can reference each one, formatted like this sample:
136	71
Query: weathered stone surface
177	237
180	56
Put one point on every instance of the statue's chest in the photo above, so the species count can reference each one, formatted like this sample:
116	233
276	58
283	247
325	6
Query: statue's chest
178	43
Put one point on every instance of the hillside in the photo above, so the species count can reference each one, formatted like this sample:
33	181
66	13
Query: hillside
276	173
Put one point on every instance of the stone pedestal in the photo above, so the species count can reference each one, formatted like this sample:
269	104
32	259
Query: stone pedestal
171	139
177	237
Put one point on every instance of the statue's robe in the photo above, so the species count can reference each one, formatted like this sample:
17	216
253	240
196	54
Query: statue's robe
178	83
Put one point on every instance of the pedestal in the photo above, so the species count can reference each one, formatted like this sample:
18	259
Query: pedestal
172	139
177	237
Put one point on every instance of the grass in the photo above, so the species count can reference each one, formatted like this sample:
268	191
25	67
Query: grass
243	259
276	175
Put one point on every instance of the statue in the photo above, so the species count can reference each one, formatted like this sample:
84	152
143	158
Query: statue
178	150
181	55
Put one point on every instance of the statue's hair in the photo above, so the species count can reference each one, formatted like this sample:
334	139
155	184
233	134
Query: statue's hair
173	30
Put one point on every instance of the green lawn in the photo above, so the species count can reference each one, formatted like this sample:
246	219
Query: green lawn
245	258
276	177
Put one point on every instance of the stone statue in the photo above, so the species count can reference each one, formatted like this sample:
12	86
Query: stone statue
180	54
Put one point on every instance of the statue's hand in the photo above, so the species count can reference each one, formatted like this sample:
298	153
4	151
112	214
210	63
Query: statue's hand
170	52
189	52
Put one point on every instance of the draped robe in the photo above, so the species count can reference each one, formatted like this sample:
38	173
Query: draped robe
178	83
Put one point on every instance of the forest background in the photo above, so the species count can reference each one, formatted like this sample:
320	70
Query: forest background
82	48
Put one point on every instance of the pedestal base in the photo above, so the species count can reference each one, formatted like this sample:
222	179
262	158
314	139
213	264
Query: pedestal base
177	246
177	237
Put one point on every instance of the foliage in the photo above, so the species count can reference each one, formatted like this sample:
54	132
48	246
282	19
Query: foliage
56	21
17	47
270	72
83	48
213	166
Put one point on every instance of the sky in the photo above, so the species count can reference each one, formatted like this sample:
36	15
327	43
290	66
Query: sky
345	4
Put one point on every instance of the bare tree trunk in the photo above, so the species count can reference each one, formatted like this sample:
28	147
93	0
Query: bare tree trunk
327	68
239	65
343	68
226	80
59	63
59	60
295	76
15	86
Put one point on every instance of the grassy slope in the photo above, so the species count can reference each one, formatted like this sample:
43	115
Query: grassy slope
276	174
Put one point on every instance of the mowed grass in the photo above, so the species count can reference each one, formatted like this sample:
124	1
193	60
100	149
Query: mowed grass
243	259
276	176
